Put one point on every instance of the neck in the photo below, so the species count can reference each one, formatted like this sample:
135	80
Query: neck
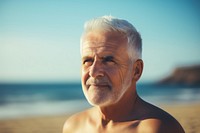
121	111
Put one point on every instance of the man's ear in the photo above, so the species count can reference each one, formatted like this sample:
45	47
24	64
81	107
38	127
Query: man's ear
137	69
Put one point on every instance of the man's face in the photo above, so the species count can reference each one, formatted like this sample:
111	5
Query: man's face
106	67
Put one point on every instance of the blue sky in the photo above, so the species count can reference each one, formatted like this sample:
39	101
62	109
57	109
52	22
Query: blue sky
39	40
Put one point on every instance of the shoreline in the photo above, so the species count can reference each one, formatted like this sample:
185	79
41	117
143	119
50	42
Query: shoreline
186	114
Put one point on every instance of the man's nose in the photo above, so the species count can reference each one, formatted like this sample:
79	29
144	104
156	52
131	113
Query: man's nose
96	70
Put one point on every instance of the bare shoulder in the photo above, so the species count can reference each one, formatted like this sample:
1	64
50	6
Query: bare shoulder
155	125
74	123
159	121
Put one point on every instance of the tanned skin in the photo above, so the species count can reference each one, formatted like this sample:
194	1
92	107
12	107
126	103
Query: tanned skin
109	79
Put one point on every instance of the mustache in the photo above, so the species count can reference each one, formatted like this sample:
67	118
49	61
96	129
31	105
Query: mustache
98	81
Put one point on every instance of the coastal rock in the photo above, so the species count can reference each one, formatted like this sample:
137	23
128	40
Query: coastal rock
189	75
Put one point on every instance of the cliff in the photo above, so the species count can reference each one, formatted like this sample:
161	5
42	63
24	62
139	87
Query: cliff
189	75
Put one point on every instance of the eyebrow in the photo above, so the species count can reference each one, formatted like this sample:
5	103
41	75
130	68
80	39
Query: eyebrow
106	57
85	57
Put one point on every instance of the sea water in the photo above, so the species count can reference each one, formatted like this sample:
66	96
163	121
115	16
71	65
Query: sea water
29	100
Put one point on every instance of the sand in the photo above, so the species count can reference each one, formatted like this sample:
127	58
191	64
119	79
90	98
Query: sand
187	115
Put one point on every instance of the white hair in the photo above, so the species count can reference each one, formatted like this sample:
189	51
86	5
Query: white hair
112	24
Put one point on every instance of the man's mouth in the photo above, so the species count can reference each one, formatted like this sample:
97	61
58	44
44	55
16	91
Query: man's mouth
99	86
99	83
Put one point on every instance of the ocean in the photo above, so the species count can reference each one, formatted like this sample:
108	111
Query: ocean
30	100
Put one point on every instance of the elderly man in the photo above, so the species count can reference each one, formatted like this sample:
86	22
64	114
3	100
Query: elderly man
111	51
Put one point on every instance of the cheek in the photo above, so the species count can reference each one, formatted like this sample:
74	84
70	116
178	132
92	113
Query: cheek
120	77
115	76
84	76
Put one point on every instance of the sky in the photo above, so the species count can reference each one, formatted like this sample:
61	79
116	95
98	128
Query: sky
39	39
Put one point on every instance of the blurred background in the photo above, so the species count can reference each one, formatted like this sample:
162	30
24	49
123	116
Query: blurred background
40	60
40	39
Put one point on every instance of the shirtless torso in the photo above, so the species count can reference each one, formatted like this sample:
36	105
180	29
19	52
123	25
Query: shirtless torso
146	118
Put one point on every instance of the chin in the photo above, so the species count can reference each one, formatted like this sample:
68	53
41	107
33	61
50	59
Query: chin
101	103
98	102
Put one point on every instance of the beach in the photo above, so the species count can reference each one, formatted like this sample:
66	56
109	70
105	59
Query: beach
186	114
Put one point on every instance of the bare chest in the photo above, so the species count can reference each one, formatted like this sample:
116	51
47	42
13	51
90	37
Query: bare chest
126	127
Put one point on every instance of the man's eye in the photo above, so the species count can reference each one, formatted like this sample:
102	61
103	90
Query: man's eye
108	59
87	62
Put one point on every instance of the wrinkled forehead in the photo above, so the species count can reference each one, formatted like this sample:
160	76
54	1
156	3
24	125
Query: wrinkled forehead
104	49
101	45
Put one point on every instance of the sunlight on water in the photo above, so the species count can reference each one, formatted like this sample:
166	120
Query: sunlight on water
17	101
19	110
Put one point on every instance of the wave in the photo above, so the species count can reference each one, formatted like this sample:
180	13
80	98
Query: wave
17	101
43	108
